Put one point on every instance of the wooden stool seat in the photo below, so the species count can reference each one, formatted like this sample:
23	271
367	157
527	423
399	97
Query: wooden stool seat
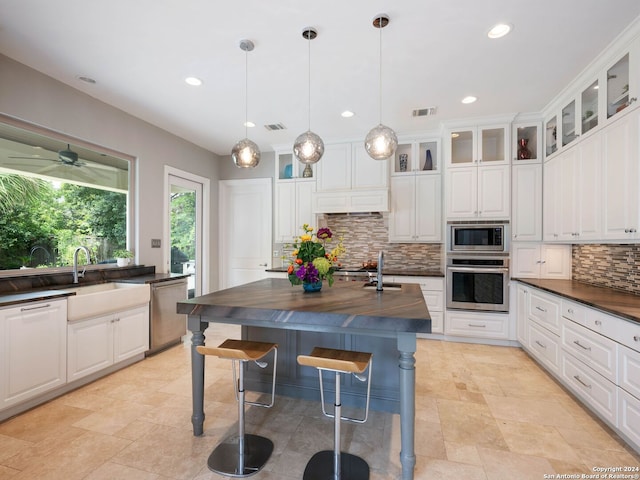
336	360
243	350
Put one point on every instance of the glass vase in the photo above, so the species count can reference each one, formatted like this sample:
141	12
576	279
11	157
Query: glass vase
312	287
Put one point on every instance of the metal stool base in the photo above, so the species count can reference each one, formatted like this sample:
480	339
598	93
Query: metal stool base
225	458
320	467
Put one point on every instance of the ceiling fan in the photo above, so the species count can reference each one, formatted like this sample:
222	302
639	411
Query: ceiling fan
66	157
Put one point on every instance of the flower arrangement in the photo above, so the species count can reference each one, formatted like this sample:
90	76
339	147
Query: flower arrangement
313	261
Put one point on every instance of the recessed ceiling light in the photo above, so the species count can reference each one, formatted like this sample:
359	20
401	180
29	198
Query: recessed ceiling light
86	79
249	124
596	87
499	30
469	99
347	114
193	81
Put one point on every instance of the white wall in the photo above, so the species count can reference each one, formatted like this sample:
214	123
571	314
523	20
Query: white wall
36	98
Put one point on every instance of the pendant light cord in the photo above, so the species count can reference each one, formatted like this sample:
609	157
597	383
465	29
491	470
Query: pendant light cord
380	69
246	93
309	75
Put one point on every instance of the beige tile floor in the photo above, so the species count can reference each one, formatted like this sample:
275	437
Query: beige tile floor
483	413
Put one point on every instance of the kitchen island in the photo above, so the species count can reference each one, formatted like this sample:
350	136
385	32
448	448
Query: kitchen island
347	308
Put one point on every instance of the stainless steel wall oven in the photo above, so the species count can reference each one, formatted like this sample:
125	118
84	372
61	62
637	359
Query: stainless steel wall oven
478	283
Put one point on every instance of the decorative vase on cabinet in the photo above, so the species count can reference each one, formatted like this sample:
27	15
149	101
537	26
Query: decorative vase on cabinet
312	287
523	151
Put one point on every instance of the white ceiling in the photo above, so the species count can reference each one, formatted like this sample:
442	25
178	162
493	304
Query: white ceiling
434	53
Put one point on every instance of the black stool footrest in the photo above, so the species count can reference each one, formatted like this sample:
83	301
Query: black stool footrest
320	467
225	458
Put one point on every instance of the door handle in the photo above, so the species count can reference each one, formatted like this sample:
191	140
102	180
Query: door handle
262	264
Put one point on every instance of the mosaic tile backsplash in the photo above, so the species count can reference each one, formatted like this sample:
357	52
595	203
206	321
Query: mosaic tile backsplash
613	266
364	235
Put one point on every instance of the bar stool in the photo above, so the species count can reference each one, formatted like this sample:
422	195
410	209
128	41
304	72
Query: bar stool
243	454
337	465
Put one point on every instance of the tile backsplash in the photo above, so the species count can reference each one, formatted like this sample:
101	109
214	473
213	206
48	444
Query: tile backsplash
364	235
613	266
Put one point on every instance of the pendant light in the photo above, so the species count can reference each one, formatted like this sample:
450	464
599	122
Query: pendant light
308	147
245	153
381	141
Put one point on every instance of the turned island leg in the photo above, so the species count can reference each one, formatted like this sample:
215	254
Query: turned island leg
407	362
197	373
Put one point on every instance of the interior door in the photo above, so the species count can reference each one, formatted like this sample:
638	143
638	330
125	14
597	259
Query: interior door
245	230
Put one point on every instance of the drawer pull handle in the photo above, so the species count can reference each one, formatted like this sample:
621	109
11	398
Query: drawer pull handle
541	309
598	322
581	346
26	309
577	377
476	325
541	344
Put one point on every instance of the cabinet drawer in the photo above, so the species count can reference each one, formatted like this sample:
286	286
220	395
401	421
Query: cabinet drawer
627	333
426	283
629	416
597	392
629	370
477	325
574	311
596	351
545	310
602	323
544	346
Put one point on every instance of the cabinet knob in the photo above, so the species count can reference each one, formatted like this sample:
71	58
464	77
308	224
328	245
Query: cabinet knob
631	100
598	323
636	338
570	310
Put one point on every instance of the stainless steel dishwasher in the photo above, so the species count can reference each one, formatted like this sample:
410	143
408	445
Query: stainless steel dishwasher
166	327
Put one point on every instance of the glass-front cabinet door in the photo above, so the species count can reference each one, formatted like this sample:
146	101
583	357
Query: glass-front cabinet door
417	156
551	136
288	167
589	107
492	144
463	147
569	123
528	142
618	86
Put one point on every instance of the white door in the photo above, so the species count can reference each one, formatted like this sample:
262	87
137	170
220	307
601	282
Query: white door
245	230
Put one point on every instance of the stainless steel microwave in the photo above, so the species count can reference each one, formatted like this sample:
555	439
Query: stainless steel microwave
478	237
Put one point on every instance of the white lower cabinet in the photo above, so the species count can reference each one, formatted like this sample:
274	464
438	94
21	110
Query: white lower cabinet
598	392
33	344
477	325
594	354
97	343
433	293
545	346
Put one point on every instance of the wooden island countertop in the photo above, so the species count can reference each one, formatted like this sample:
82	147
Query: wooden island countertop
347	309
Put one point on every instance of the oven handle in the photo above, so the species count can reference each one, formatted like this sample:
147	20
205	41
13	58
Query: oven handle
479	269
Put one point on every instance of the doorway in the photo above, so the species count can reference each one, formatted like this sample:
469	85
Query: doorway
186	247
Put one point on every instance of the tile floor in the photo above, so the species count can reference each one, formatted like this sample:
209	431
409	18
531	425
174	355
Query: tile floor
483	413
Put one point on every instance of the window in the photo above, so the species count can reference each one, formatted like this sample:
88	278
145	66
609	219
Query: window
56	196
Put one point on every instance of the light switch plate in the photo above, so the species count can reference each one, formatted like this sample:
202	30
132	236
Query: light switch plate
155	243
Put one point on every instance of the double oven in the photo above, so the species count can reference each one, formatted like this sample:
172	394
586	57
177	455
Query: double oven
478	266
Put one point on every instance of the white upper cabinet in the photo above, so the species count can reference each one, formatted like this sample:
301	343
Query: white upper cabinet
419	156
416	208
487	144
478	192
621	178
526	202
348	180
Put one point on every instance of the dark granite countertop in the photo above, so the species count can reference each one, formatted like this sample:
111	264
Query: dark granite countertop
155	278
625	305
276	303
385	271
34	296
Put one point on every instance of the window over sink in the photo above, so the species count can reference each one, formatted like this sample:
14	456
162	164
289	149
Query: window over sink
57	193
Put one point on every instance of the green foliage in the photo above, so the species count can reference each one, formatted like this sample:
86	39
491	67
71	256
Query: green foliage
183	227
42	224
